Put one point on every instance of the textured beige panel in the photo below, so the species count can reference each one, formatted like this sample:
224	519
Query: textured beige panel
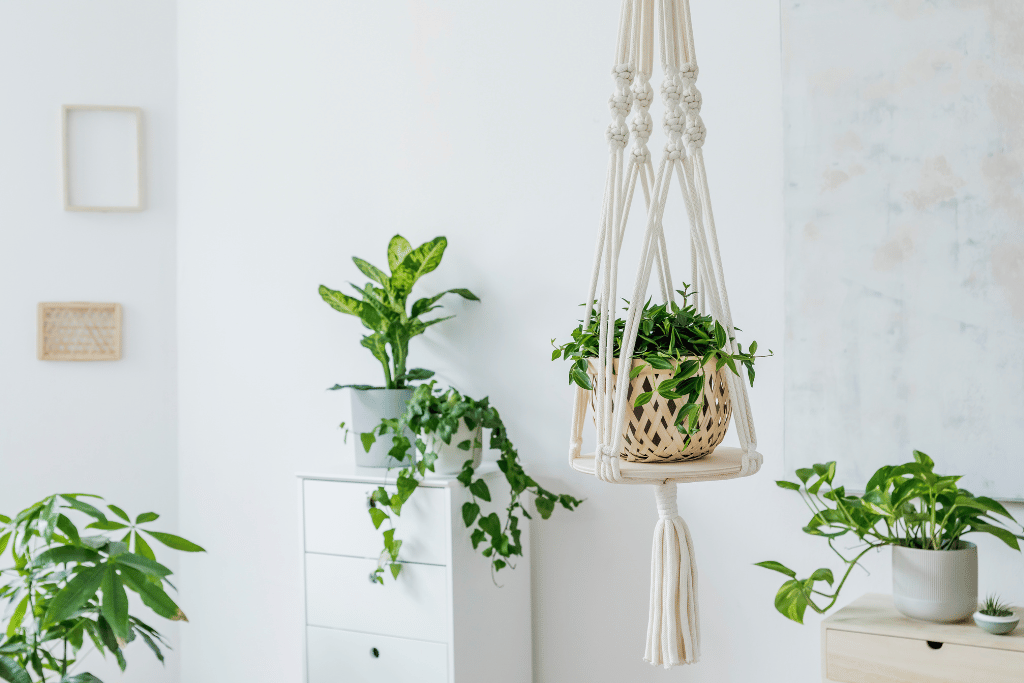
79	331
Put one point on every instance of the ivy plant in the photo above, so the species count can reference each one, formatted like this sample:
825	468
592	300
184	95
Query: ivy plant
907	505
66	588
383	308
670	336
436	412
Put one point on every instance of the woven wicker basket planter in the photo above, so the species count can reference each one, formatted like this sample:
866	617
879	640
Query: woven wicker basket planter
650	432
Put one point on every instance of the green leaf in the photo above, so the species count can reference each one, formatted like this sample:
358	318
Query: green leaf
13	672
491	524
635	372
395	569
19	613
4	539
373	272
66	526
823	574
659	363
175	542
406	485
368	438
791	600
720	335
65	554
82	506
479	489
152	594
88	677
115	603
143	564
417	263
119	512
73	596
398	249
342	302
788	485
107	526
147	517
777	567
427	304
545	506
417	374
378	516
580	379
477	537
470	511
643	399
142	547
804	473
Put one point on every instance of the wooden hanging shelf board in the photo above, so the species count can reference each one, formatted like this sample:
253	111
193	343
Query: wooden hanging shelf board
723	463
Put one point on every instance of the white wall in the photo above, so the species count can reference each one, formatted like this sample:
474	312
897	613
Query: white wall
102	427
312	131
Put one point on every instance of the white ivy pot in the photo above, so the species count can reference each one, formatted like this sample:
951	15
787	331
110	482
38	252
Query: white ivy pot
450	457
935	585
996	625
369	407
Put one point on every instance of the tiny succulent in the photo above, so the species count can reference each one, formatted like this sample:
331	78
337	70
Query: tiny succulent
994	607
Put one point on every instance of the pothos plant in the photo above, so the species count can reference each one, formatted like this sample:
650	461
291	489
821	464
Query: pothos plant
437	412
383	307
669	336
65	589
907	505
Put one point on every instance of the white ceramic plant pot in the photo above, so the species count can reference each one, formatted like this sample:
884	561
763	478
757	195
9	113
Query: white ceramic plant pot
450	457
997	625
369	407
935	585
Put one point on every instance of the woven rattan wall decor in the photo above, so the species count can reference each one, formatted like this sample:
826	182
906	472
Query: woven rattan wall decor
79	331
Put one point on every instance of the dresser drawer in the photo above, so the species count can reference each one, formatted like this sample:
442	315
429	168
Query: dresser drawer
852	657
345	657
337	522
339	594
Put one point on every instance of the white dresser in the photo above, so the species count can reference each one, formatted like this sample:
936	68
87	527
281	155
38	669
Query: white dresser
442	621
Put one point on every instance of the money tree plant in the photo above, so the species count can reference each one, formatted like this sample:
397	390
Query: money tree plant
65	587
383	307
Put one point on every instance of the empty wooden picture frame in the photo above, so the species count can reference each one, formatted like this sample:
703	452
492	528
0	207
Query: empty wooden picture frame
102	158
79	331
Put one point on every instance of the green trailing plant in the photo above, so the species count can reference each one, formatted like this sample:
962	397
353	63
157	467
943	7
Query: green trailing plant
383	307
907	505
994	607
669	336
66	588
435	412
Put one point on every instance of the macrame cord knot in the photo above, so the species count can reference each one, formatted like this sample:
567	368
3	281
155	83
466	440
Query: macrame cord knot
618	135
688	74
623	75
666	500
695	132
620	104
675	150
671	92
691	100
643	93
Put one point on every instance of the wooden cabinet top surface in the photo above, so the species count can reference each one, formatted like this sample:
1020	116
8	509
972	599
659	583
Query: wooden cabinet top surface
874	613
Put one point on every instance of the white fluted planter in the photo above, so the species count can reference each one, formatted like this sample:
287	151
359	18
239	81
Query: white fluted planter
935	585
369	407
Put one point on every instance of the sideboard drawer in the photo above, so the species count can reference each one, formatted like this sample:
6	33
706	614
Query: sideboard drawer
345	657
339	594
337	522
852	657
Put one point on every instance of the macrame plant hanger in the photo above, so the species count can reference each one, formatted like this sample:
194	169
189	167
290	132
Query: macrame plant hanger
673	633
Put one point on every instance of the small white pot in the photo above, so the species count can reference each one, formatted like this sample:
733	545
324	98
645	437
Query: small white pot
996	625
450	457
935	585
369	407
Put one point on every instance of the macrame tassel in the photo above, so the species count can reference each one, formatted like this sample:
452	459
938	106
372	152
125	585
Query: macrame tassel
673	628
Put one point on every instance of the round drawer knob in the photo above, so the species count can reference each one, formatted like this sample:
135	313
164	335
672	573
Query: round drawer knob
375	652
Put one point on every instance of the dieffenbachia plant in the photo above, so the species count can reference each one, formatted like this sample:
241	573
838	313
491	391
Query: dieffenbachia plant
63	589
907	505
383	307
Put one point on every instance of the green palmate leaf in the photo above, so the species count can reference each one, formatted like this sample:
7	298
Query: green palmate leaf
417	263
777	567
73	596
82	506
66	526
406	485
378	516
142	547
119	512
143	564
470	511
107	526
88	677
152	645
13	672
479	489
115	603
147	517
4	540
791	600
175	542
65	554
398	249
16	618
342	302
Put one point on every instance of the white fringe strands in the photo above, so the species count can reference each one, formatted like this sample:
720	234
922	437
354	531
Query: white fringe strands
673	627
673	635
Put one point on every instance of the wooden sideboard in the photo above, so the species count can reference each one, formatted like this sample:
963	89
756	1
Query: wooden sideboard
868	641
